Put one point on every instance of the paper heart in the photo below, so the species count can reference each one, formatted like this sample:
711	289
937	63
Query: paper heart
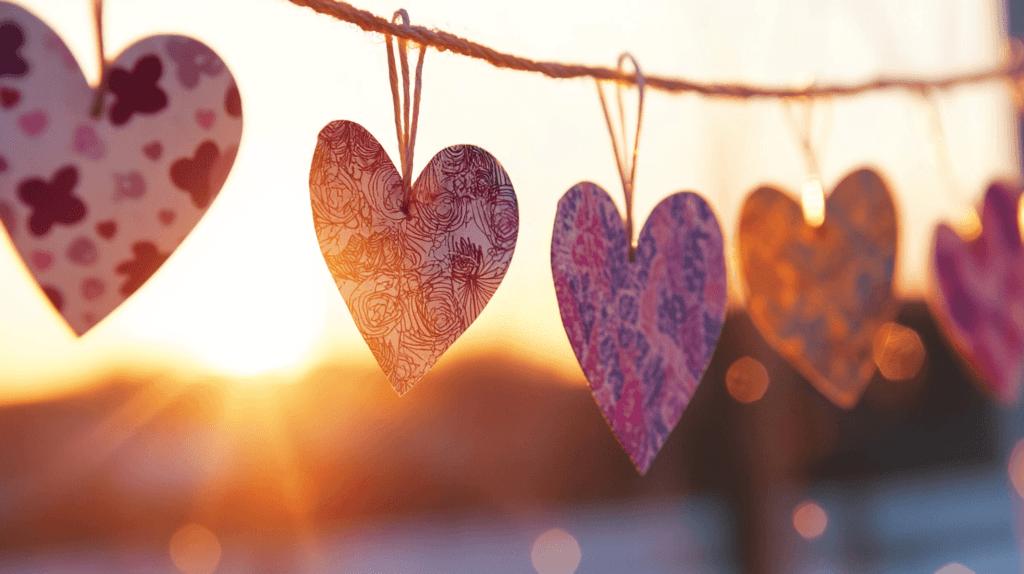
644	331
413	282
980	296
73	180
818	295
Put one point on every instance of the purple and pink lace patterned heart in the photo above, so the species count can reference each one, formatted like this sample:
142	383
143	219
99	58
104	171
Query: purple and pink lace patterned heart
415	271
85	198
642	330
980	295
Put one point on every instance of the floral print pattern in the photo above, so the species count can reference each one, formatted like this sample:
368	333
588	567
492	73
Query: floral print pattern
818	295
643	331
980	298
414	279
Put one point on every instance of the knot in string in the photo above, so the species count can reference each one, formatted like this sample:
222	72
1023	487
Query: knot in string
97	103
405	118
625	161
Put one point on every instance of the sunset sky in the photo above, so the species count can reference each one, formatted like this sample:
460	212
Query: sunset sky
247	295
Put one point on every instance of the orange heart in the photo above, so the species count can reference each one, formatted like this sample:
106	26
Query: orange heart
416	270
818	295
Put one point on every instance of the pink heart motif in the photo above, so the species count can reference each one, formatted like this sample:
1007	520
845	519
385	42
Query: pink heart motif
643	331
33	123
42	260
87	143
77	187
153	150
205	118
415	271
980	298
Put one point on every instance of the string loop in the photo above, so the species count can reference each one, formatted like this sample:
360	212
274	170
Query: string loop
97	103
626	161
812	194
406	118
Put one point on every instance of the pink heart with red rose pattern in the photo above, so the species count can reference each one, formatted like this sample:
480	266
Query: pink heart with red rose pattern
643	331
82	196
980	299
413	279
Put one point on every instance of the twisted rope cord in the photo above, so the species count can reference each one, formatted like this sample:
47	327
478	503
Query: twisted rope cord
445	41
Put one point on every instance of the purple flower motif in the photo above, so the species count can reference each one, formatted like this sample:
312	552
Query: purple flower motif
193	59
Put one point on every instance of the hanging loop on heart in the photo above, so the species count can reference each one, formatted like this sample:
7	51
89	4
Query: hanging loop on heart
97	103
406	118
812	193
625	161
968	223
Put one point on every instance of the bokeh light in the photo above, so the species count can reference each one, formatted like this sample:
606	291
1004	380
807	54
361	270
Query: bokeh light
898	352
1015	467
556	552
812	199
195	549
1020	216
954	568
968	224
809	519
746	380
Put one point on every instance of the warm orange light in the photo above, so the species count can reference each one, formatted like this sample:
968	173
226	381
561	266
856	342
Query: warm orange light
747	380
809	519
812	199
556	552
1016	468
195	550
898	352
1020	216
968	225
954	568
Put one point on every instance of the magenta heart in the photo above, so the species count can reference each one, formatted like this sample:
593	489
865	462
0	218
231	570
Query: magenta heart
76	185
980	299
643	331
33	123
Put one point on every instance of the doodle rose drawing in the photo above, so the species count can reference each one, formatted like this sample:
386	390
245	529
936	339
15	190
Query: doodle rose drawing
414	279
643	331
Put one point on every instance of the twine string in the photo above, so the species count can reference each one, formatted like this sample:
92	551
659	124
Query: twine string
1013	67
625	161
97	103
406	117
804	131
812	192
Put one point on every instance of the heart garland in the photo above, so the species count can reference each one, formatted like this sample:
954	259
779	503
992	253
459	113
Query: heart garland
95	205
980	297
414	281
818	295
643	331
